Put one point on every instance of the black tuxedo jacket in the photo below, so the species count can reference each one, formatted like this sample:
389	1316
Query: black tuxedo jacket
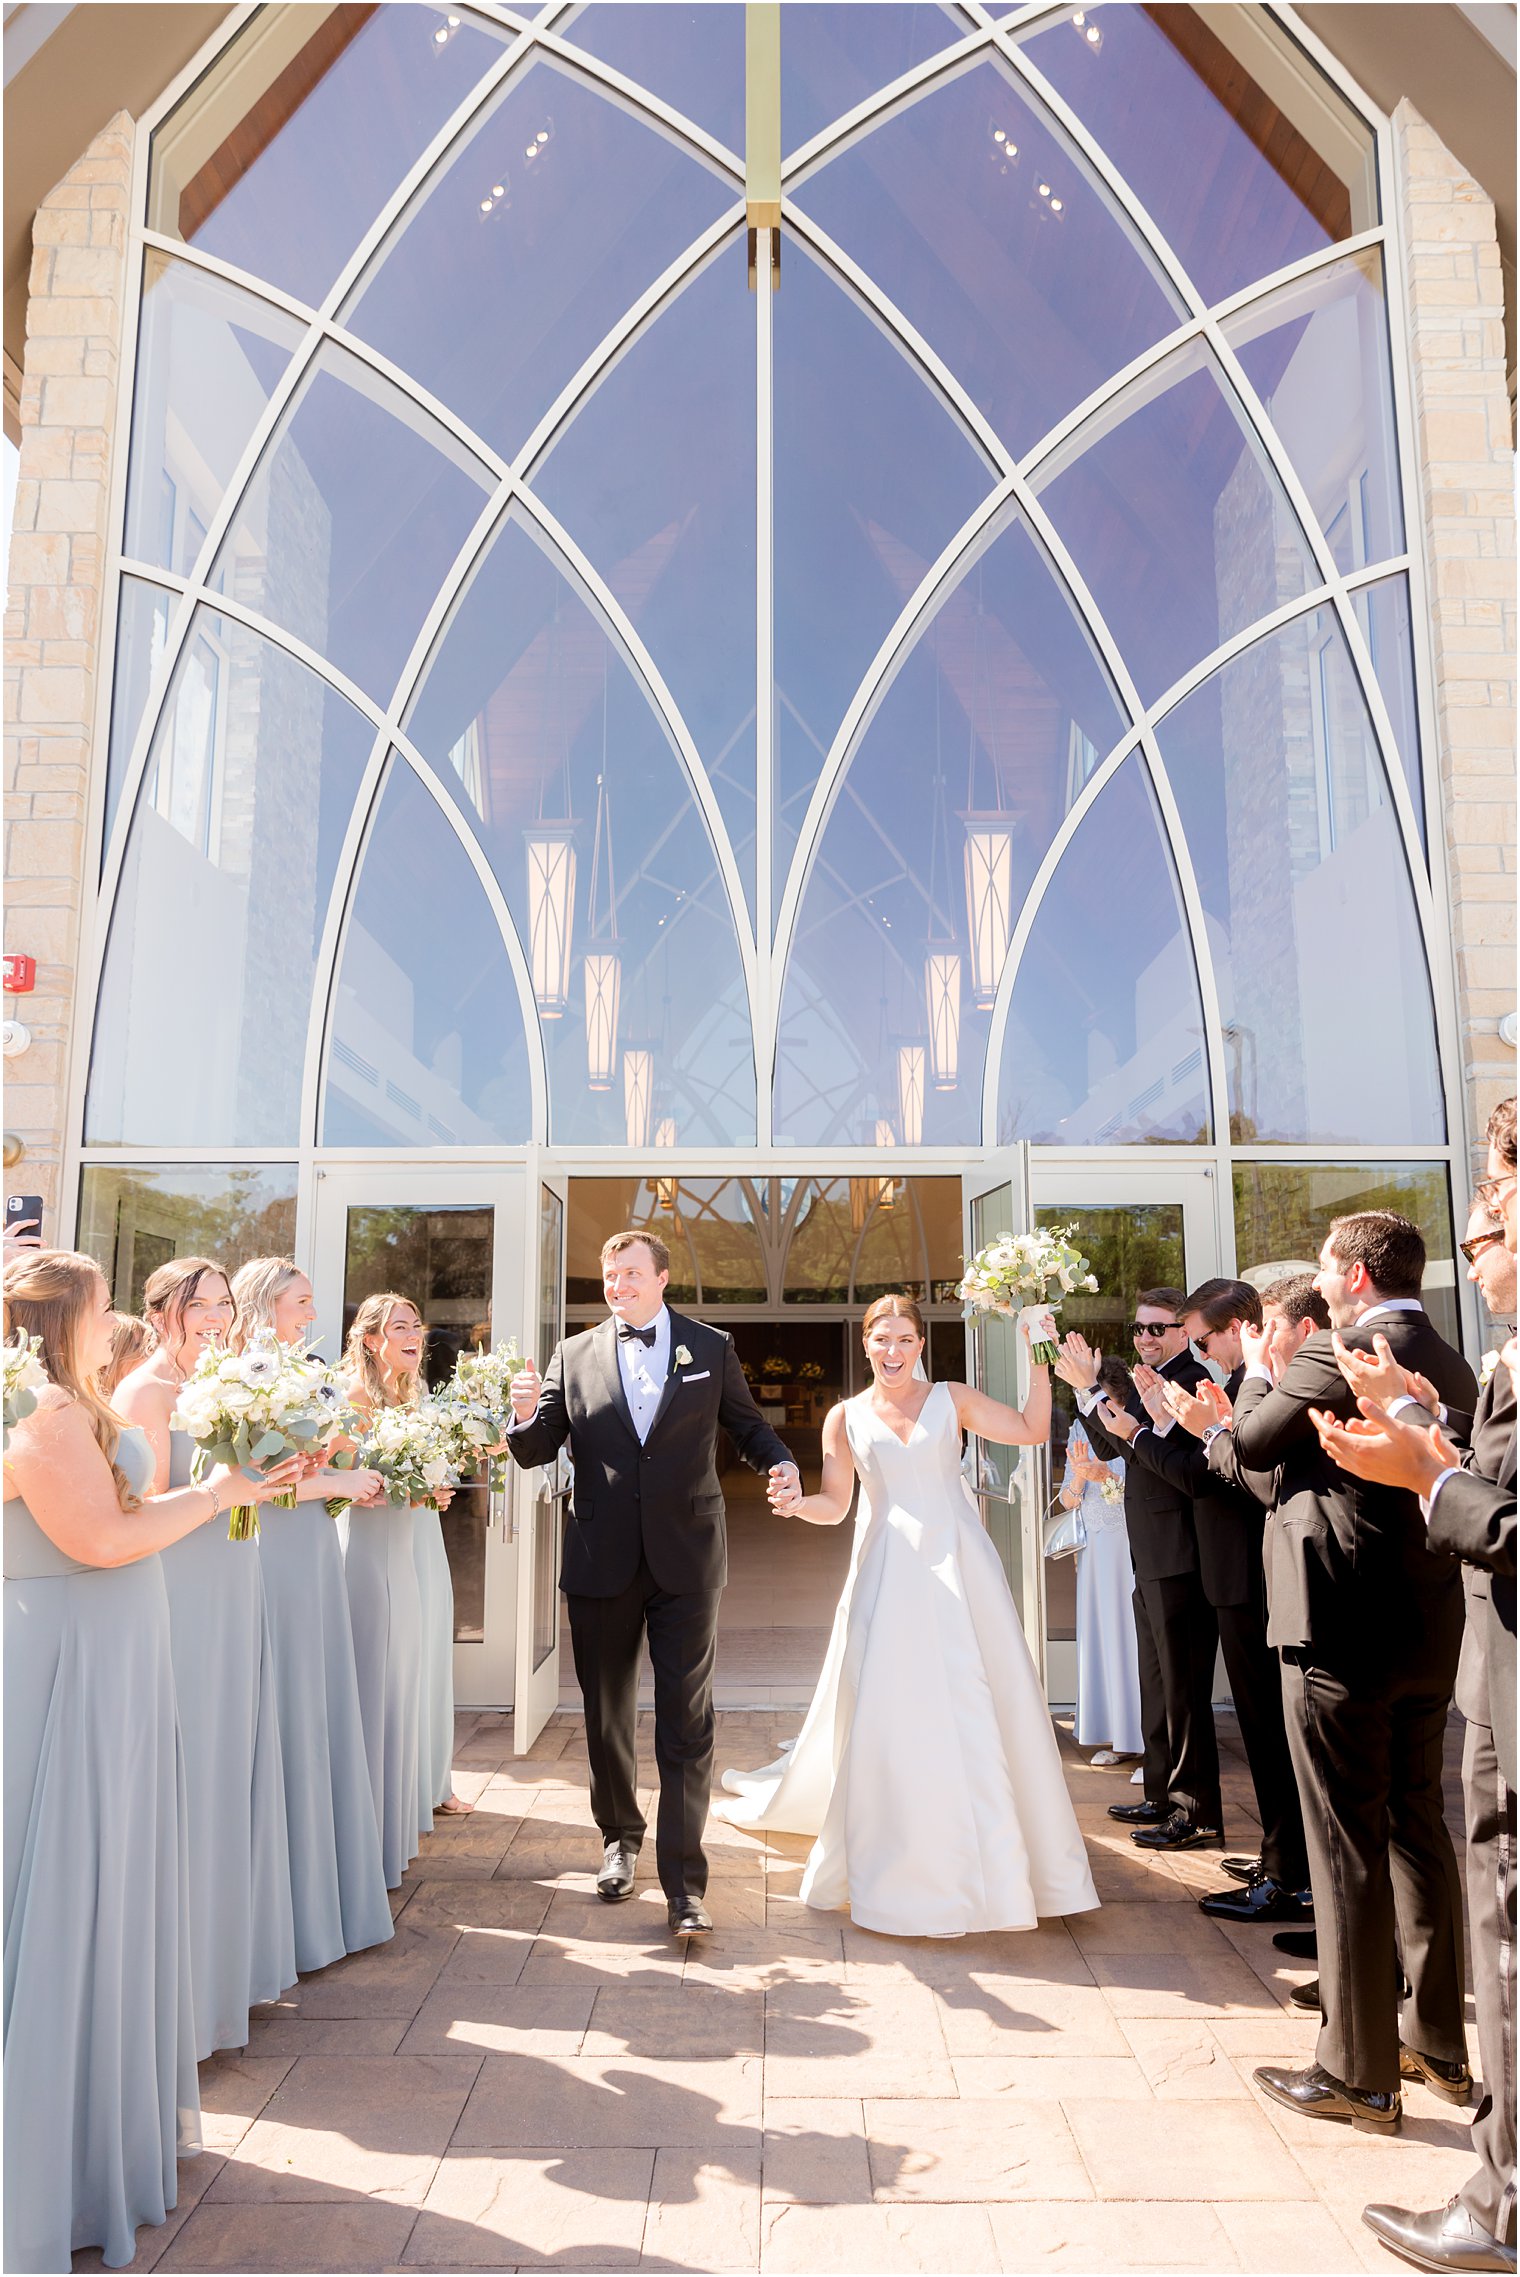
1474	1518
660	1500
1229	1511
1351	1582
1158	1516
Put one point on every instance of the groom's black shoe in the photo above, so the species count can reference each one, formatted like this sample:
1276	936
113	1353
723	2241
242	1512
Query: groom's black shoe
1243	1869
690	1918
615	1881
1139	1814
1179	1832
1265	1899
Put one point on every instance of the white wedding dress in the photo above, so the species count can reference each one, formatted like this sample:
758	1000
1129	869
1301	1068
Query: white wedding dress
927	1765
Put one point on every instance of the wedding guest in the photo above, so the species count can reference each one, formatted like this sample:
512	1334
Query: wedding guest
100	2082
1368	1623
242	1935
383	1358
1174	1622
338	1893
1471	1512
131	1341
1108	1663
1230	1516
435	1731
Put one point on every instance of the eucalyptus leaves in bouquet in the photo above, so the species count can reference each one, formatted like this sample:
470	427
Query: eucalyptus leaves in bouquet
1024	1276
409	1447
25	1376
253	1409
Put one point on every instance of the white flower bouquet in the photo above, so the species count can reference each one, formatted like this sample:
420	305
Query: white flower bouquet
25	1376
1111	1489
470	1429
253	1409
409	1447
1024	1276
477	1404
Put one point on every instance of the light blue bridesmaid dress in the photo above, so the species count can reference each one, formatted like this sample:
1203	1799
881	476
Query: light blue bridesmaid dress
336	1881
242	1930
100	2087
380	1568
435	1587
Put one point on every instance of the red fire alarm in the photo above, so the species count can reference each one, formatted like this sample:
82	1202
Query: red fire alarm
20	975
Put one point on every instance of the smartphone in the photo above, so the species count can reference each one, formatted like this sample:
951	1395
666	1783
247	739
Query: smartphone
23	1215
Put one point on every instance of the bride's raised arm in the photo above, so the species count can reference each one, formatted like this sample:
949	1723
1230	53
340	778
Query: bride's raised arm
832	1501
1026	1426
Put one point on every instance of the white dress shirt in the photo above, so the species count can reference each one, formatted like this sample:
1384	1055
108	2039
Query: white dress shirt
643	1368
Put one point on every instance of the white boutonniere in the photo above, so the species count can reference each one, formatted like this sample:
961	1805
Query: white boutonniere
1490	1361
683	1357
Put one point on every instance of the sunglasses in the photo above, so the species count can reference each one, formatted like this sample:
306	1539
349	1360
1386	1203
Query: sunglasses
1473	1250
1491	1190
1151	1327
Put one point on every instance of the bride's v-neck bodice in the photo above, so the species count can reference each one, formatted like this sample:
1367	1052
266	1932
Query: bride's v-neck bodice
913	1483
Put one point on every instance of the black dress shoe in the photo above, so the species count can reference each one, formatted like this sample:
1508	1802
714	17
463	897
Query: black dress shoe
1318	2094
1449	2238
1298	1944
1179	1832
1261	1900
691	1918
1139	1814
615	1881
1452	2080
1306	1996
1243	1869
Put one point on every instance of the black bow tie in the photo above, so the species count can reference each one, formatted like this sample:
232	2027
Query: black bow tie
627	1332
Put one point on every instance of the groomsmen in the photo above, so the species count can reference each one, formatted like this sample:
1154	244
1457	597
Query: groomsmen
1174	1621
1368	1622
1229	1518
1471	1512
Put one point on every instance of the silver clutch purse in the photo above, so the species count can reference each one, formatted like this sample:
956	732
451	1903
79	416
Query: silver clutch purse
1065	1532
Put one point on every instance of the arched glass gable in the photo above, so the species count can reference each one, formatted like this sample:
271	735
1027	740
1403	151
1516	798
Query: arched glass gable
944	701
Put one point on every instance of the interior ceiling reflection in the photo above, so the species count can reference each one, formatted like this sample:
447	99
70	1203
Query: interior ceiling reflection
764	852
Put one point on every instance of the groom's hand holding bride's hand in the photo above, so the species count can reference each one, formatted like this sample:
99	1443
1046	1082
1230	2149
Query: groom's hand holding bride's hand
784	1490
526	1386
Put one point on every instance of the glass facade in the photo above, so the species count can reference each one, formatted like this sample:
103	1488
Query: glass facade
967	694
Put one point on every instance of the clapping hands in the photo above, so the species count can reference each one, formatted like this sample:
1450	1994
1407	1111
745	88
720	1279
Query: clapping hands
1078	1364
1198	1411
1378	1377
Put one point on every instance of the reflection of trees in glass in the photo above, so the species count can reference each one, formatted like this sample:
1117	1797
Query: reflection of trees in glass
1283	1212
439	1259
134	1220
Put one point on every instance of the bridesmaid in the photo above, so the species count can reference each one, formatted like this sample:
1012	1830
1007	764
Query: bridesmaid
242	1934
383	1357
435	1743
100	2085
337	1886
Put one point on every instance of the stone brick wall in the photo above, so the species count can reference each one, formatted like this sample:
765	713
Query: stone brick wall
1466	473
69	415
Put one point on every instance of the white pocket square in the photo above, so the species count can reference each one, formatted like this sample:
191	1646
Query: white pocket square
702	1376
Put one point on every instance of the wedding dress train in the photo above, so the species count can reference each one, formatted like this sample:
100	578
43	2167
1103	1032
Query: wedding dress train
927	1766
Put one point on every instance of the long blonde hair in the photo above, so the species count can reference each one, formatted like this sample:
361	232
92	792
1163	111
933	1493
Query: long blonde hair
47	1292
370	1380
257	1288
170	1289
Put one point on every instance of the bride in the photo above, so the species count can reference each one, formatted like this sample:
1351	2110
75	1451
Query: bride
927	1766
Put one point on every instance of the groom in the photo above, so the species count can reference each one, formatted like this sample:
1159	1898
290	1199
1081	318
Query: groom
640	1399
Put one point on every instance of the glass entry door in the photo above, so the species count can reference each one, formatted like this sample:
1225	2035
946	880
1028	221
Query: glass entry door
1142	1227
458	1244
1010	1483
541	1495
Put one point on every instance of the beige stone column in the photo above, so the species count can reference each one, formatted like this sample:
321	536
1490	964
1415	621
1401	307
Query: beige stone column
70	417
1464	452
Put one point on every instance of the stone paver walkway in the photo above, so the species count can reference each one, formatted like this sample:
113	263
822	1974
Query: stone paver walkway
527	2078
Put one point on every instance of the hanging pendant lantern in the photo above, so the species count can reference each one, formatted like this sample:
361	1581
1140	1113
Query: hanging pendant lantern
910	1093
638	1088
666	1189
942	980
604	979
989	901
886	1188
551	903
